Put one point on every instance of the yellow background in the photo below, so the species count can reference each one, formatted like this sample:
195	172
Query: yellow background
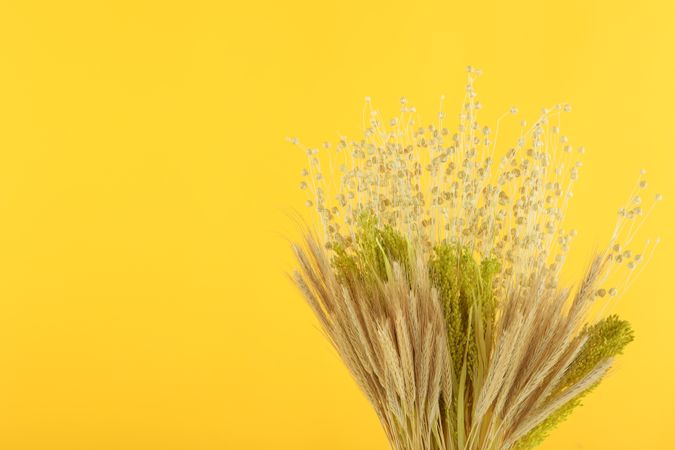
146	188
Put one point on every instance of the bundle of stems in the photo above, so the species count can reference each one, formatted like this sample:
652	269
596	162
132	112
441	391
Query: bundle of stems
435	275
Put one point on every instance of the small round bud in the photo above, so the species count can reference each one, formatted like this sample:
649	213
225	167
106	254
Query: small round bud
612	292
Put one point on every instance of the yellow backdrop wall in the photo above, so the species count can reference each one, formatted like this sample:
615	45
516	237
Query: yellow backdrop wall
146	190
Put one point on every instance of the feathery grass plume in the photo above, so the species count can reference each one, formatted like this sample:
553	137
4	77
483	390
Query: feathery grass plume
435	274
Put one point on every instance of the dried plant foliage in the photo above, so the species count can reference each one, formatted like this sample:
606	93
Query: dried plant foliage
436	278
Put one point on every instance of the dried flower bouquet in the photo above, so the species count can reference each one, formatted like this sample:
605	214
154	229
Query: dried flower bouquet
435	275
